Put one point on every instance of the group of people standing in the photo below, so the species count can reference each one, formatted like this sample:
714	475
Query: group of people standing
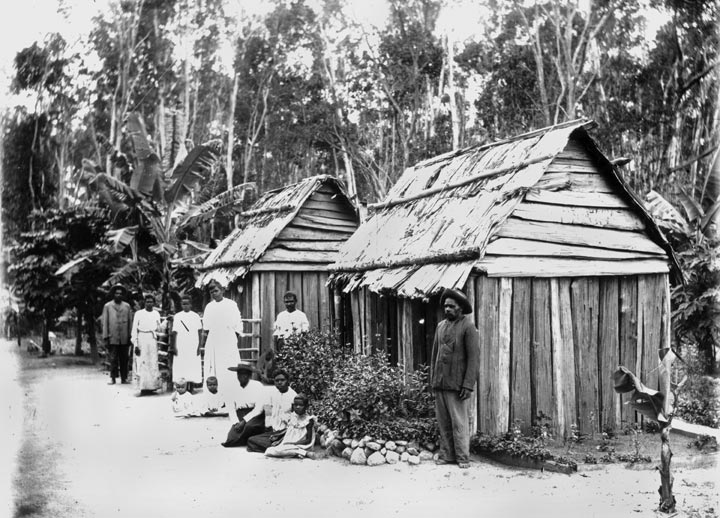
271	417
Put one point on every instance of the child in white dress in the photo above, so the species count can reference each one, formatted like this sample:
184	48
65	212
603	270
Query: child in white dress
299	437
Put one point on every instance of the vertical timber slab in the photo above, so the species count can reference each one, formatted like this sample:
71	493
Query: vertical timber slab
268	311
521	338
651	292
665	381
567	355
628	333
372	321
471	295
311	298
364	338
282	287
609	351
419	309
407	335
503	365
356	318
488	298
295	283
585	293
398	332
382	323
325	308
559	425
541	361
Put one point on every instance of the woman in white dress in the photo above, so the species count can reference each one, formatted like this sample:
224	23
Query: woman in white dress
223	325
143	336
186	333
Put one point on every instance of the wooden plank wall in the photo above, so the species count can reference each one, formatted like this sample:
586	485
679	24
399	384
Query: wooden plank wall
566	338
260	295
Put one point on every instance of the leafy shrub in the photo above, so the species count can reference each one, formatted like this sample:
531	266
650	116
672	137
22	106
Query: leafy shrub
368	396
704	443
698	401
311	360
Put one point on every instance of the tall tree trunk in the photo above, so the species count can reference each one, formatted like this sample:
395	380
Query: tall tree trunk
46	345
92	333
454	115
78	331
231	132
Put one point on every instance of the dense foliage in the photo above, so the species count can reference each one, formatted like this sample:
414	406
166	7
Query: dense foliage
699	399
359	394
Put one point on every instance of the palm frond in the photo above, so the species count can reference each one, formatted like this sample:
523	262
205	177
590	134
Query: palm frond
121	238
199	160
665	215
225	200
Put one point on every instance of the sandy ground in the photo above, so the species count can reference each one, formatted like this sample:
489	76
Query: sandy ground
77	447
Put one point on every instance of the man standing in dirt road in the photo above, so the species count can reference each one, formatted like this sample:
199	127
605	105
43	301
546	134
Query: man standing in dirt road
116	322
453	372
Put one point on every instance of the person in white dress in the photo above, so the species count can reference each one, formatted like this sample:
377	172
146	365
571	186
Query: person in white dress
222	325
143	336
186	334
299	437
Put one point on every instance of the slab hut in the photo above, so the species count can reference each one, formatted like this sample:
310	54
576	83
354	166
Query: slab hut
568	275
285	242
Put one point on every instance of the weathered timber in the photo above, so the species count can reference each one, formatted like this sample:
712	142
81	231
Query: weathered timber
298	233
464	254
488	296
407	335
585	300
559	167
521	340
465	181
326	309
288	267
363	321
503	366
563	356
621	219
609	352
328	246
324	223
541	350
579	182
311	297
337	214
300	256
628	332
651	292
323	206
295	282
578	199
508	266
579	235
256	303
470	291
531	247
281	287
356	319
268	310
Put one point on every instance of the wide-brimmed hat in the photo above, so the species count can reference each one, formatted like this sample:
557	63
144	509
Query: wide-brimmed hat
119	287
459	297
243	367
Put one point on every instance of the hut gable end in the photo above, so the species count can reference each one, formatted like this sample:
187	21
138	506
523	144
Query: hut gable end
296	227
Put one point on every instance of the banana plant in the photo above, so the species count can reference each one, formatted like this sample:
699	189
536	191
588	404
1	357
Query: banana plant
154	201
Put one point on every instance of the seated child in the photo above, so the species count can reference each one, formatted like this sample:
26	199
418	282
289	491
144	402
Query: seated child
211	403
299	437
182	403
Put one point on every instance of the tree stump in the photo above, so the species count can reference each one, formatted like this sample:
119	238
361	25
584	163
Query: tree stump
667	500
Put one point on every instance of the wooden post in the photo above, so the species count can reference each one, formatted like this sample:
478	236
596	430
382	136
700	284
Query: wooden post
520	369
503	365
470	292
407	340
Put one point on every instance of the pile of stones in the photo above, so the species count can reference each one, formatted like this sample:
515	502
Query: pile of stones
375	451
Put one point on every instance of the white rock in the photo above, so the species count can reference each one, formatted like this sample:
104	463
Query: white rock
401	443
358	457
383	450
376	459
426	455
413	451
413	460
404	456
366	439
390	446
347	453
400	449
391	457
347	442
373	446
354	443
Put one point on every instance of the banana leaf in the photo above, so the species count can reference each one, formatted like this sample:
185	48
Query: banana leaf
147	167
191	170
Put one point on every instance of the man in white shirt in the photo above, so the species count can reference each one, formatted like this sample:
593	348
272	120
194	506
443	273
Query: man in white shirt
289	322
244	402
277	413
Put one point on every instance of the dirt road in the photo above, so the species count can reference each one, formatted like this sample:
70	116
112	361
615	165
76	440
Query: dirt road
76	447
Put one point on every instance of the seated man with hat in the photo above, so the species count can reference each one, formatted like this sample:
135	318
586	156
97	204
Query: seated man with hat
244	402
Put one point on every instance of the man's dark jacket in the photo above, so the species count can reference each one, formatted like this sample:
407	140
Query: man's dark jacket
455	361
